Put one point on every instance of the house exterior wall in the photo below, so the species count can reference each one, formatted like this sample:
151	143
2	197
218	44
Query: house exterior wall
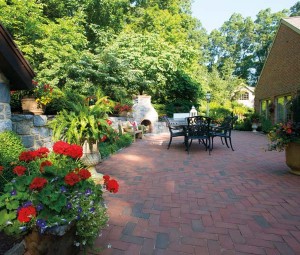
250	101
5	112
281	73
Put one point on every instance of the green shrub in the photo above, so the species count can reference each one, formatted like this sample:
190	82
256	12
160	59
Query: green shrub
10	149
266	125
108	148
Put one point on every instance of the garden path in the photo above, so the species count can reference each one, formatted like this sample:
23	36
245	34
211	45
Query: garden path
231	202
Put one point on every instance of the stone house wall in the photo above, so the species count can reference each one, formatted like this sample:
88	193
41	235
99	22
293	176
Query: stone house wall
5	113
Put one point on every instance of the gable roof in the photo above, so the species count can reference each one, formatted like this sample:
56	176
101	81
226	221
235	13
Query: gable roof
13	64
281	72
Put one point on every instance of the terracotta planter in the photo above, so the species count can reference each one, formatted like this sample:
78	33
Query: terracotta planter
51	244
292	154
29	105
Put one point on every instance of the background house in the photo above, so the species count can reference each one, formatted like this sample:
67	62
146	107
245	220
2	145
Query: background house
246	96
279	81
15	74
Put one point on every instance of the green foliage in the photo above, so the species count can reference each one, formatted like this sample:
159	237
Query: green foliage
266	125
10	149
83	122
108	148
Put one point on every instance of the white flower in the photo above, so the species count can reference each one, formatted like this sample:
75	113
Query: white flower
109	246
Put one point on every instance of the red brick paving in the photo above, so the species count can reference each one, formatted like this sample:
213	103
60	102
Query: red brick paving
230	202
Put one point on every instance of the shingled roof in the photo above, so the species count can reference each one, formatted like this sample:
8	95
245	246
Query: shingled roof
13	64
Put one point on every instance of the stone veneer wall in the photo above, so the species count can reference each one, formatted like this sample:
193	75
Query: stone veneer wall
33	130
5	112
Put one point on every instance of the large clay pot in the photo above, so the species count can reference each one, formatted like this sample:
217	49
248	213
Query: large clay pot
51	243
29	105
292	155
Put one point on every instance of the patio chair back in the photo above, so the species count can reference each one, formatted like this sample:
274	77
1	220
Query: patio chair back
174	131
198	128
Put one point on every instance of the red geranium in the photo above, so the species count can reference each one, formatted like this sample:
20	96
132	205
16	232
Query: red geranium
112	186
71	150
109	122
28	156
84	174
1	168
71	179
106	178
25	214
19	170
38	183
45	163
103	139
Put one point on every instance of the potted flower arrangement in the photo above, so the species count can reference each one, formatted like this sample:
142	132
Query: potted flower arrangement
35	100
52	195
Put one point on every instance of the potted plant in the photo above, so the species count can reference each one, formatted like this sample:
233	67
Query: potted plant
255	120
35	100
52	197
86	125
286	136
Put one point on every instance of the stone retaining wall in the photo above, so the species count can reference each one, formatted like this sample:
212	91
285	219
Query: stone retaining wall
33	130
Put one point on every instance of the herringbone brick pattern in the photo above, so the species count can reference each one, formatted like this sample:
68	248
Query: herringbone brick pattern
231	202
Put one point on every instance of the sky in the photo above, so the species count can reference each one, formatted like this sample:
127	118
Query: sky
213	13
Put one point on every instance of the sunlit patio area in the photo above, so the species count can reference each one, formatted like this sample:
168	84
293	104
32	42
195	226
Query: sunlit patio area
230	202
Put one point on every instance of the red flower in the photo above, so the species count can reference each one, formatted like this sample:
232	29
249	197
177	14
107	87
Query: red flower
106	178
38	183
26	213
19	170
42	152
45	163
112	186
71	179
74	150
1	168
27	156
109	122
84	174
103	139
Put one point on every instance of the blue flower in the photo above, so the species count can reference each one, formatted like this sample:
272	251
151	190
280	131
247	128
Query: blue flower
63	189
69	205
26	204
92	209
13	193
79	210
88	192
41	223
39	207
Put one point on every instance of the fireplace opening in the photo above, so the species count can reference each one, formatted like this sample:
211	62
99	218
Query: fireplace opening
148	125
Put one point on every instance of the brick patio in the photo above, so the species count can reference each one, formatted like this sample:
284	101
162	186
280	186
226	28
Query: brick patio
232	202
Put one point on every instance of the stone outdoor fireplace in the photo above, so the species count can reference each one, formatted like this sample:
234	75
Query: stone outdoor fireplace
144	112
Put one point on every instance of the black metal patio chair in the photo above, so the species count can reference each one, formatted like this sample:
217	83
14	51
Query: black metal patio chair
224	131
175	131
198	128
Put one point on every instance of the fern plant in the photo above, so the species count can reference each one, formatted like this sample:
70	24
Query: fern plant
83	122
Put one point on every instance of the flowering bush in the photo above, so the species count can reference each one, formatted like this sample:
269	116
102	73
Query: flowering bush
53	189
282	134
122	108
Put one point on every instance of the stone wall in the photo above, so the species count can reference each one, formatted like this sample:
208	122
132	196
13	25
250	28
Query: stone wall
33	130
5	113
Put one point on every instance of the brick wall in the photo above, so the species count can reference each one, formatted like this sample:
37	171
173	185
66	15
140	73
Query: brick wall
281	73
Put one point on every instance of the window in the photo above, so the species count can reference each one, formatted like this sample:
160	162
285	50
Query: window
244	96
283	112
264	108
